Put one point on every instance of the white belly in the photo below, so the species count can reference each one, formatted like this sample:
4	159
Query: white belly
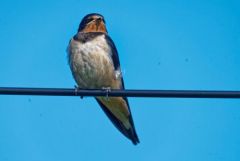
91	63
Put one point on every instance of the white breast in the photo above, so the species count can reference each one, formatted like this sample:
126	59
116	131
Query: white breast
91	63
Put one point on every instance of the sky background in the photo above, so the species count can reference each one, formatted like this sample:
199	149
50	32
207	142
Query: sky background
165	44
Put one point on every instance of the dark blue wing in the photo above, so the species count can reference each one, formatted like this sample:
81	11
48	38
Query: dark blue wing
131	133
114	55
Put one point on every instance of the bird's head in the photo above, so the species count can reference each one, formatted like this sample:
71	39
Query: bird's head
93	22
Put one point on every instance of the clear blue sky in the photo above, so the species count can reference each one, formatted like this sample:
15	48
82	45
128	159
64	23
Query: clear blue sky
162	45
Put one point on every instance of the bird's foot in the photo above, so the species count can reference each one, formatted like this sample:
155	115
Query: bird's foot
76	91
107	90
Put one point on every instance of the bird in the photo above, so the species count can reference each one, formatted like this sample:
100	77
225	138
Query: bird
94	63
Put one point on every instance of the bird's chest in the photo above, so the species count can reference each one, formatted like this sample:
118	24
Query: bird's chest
91	63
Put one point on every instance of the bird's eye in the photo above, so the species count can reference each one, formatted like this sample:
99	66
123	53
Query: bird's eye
89	20
99	18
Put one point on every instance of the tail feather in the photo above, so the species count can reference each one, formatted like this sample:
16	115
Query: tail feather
129	133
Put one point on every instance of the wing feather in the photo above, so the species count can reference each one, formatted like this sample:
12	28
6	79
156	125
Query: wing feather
129	133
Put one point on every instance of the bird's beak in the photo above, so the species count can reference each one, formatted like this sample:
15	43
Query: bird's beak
98	20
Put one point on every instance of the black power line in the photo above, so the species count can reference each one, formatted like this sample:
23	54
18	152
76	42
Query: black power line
118	93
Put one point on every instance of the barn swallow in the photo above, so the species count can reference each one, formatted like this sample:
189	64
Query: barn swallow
94	62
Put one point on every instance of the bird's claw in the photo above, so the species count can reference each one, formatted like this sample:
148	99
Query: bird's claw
107	90
76	88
